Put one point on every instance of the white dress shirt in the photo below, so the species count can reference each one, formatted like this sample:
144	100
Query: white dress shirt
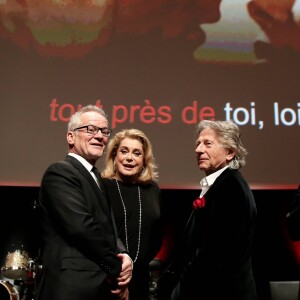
206	182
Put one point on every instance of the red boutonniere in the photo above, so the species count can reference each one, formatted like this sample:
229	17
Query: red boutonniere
199	203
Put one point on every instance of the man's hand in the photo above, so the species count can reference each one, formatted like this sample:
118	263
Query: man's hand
122	293
126	272
124	277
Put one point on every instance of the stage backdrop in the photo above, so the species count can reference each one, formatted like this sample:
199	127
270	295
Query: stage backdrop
160	66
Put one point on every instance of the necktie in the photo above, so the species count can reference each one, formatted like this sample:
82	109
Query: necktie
96	172
103	199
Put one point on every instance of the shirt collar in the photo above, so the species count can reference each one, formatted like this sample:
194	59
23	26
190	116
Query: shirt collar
85	163
210	179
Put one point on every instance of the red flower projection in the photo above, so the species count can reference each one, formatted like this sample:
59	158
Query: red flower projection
71	28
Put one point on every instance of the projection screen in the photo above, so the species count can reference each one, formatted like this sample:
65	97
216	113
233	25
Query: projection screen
160	66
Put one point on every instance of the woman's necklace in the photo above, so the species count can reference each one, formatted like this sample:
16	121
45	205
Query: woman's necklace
125	221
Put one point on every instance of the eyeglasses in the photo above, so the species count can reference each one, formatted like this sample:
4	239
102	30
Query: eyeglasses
93	130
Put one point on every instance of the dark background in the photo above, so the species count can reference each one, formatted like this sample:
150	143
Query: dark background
273	258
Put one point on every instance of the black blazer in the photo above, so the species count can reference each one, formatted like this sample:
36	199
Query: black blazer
293	217
80	240
217	252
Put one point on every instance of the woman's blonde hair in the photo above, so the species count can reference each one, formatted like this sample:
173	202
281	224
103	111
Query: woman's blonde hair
149	172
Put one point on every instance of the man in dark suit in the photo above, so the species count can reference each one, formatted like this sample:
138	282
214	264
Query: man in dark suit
293	217
82	256
293	220
219	234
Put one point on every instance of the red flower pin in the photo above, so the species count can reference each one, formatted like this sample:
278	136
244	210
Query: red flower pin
199	203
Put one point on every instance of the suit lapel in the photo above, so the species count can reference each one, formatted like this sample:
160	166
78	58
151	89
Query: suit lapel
219	180
86	174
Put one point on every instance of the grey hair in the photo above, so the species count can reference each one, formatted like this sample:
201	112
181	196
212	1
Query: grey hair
229	136
75	120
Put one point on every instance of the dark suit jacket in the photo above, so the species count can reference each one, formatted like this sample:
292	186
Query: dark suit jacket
217	254
293	217
80	241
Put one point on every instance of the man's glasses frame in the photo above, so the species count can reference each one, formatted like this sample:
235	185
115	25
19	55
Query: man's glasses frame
93	130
